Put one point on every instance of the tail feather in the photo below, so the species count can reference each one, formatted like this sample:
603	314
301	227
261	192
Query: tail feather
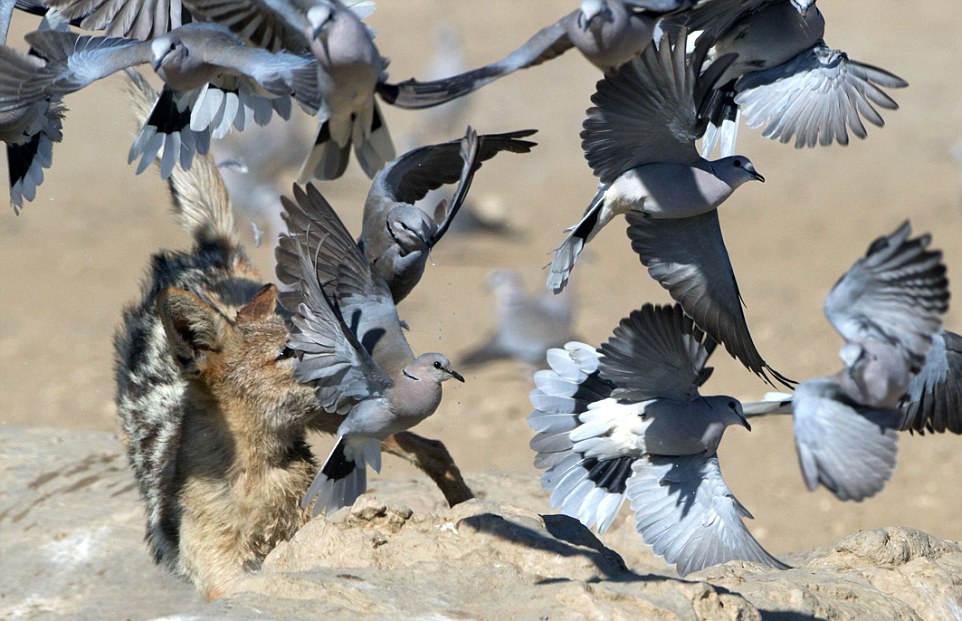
200	198
377	149
343	477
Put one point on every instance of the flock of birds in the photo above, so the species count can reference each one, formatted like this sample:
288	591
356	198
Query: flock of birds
625	419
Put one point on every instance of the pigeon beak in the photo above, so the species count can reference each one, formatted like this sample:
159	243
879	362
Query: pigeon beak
758	176
456	375
745	422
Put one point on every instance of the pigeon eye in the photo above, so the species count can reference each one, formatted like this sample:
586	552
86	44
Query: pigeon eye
731	404
737	163
286	353
437	365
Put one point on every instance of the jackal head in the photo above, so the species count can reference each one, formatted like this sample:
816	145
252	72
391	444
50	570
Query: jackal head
243	363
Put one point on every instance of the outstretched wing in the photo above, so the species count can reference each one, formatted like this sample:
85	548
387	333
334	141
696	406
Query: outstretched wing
688	257
410	177
331	356
895	294
816	97
131	19
934	400
644	113
657	351
344	275
687	514
848	448
546	44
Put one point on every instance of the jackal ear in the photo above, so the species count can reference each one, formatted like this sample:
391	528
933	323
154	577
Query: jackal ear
262	305
194	328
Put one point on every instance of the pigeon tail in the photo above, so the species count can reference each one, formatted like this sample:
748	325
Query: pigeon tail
343	477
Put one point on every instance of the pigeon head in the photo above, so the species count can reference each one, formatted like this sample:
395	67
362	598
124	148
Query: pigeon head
166	51
736	170
320	16
410	228
851	353
803	6
593	14
729	411
432	366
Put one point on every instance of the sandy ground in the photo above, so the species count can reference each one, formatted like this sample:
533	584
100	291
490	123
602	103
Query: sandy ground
73	257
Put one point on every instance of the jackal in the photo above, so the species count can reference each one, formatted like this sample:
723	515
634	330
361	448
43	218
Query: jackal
214	418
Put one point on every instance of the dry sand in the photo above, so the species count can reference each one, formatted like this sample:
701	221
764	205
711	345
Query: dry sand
74	256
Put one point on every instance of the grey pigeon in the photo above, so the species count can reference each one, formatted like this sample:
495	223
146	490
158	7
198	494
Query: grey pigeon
934	398
627	420
350	68
526	326
29	131
397	236
786	77
191	60
888	308
608	33
639	140
378	399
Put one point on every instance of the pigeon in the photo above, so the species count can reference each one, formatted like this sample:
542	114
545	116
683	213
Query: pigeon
526	327
786	78
191	60
379	394
627	421
888	308
639	140
608	33
396	235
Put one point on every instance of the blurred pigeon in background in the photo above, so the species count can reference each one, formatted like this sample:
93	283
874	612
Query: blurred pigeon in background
785	76
627	420
525	327
377	398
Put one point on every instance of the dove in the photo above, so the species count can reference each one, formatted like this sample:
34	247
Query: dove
786	77
888	308
396	235
29	132
639	140
626	420
608	33
352	348
188	59
526	326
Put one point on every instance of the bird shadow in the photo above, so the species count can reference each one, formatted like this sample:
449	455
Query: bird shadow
566	537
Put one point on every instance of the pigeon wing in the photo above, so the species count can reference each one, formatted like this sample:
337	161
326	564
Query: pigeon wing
657	351
895	294
687	256
644	113
934	401
131	19
410	177
331	356
547	43
687	514
848	448
816	98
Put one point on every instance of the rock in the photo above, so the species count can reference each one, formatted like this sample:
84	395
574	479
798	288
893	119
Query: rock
71	538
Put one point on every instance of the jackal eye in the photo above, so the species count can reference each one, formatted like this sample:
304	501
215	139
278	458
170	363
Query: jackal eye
286	353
